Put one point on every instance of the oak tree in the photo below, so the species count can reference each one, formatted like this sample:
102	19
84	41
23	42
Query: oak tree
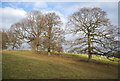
90	24
30	28
53	32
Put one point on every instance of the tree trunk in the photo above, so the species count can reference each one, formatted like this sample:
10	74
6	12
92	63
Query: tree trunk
13	48
89	46
36	48
49	39
36	43
48	49
89	57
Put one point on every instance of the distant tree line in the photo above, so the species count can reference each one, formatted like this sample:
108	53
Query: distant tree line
44	32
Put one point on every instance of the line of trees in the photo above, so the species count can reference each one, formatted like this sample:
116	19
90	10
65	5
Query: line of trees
43	31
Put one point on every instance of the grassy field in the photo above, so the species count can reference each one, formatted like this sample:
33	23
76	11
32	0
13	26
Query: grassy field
30	65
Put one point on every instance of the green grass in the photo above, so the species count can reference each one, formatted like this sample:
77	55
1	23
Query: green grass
30	65
84	57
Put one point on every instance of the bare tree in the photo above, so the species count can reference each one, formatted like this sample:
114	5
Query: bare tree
14	41
112	44
53	33
31	27
5	39
90	24
42	31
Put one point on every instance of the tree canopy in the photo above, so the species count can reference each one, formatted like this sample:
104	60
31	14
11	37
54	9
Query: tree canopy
93	28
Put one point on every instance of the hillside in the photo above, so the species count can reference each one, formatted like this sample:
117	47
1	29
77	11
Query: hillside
30	65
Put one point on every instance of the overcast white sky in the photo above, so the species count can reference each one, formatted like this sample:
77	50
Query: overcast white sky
13	12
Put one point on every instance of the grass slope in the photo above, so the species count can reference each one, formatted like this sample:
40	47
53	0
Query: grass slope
28	65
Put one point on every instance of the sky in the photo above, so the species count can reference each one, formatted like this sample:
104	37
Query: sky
13	12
